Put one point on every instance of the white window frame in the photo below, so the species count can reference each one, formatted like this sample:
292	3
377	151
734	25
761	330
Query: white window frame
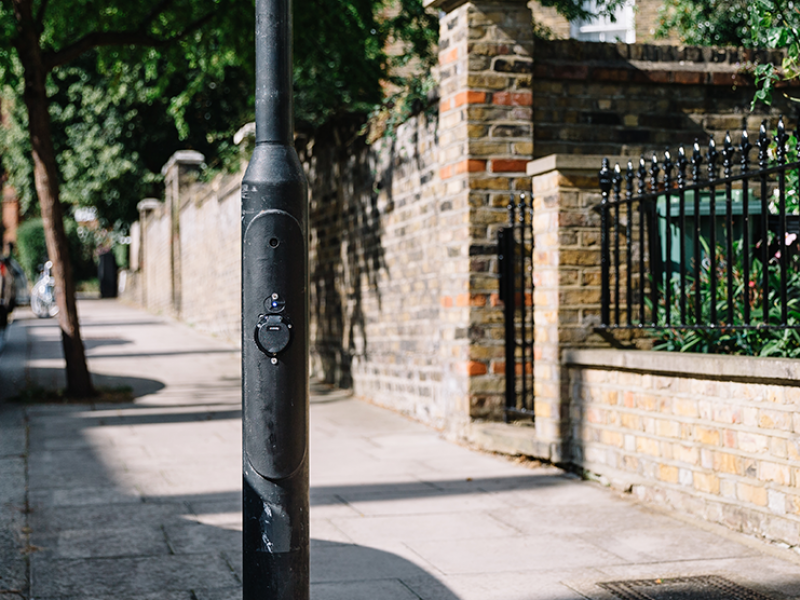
603	29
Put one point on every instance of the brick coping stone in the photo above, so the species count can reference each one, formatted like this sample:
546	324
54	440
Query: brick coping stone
699	366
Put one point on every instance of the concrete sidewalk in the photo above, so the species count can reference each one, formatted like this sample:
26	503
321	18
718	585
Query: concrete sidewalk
142	500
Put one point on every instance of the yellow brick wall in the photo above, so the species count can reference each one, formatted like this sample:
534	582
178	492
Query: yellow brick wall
727	451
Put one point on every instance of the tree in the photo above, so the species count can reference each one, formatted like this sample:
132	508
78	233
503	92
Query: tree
763	24
37	38
706	22
775	24
167	54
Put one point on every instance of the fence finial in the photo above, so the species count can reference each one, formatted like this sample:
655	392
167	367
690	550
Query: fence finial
727	154
712	158
763	145
744	148
654	171
641	174
697	160
780	141
682	164
605	179
629	176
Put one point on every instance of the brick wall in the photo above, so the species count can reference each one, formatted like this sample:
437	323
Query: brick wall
403	230
593	98
156	278
566	275
387	251
210	240
713	436
197	251
485	142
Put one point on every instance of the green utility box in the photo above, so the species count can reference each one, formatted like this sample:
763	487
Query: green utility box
686	238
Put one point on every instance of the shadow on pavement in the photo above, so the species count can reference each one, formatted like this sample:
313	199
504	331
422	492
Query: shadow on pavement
322	394
51	378
352	571
101	532
375	492
173	353
161	418
51	349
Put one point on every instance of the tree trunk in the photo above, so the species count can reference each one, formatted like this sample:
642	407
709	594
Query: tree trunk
79	382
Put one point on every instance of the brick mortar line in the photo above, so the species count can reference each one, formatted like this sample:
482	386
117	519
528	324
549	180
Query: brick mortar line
684	419
793	489
691	492
786	436
701	397
700	377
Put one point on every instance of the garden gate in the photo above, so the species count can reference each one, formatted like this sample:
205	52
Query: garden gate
515	254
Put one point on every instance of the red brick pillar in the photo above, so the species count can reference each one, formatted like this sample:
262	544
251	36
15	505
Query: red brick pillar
485	142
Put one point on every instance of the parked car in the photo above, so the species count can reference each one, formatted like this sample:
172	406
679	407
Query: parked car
8	289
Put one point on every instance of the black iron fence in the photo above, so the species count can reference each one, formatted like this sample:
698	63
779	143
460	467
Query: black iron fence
515	246
703	241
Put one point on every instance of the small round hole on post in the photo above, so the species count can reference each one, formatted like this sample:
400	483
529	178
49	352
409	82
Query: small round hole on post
274	242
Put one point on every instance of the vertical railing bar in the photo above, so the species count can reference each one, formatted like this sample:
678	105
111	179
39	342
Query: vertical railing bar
781	140
641	173
617	187
509	309
744	148
712	242
782	245
697	161
654	252
532	405
763	143
523	332
628	243
727	155
605	292
682	162
668	216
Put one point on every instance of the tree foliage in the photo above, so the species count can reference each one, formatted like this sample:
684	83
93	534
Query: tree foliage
86	70
706	22
776	24
764	24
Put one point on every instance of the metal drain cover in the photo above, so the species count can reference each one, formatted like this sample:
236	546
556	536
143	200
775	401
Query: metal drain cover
702	587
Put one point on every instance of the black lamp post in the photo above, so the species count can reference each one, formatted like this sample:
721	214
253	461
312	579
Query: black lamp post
275	329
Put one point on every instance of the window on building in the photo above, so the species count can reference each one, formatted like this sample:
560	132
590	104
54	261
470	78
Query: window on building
603	29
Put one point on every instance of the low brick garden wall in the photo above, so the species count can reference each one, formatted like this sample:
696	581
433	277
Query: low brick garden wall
713	436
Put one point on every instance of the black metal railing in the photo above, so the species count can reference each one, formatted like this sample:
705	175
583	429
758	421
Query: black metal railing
717	250
515	247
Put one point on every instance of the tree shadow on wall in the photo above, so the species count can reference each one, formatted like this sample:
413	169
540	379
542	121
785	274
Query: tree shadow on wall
349	182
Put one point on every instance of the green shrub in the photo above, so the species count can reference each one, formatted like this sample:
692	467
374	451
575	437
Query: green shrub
32	250
777	341
31	247
121	255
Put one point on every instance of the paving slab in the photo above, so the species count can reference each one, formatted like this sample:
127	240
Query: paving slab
143	500
13	503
